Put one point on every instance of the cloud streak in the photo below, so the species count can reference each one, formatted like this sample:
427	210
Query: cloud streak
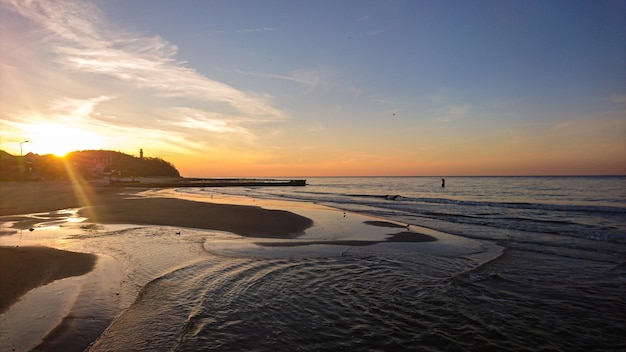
80	108
257	30
452	113
311	78
617	99
82	43
215	123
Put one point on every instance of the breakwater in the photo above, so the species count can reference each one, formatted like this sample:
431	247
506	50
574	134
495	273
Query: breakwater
204	182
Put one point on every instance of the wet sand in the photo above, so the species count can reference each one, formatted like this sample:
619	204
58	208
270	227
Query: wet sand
249	221
25	268
404	237
31	197
102	204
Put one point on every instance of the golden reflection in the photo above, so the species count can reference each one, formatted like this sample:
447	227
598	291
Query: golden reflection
81	188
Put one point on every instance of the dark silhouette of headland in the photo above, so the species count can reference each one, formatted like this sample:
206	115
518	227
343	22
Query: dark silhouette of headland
86	164
119	169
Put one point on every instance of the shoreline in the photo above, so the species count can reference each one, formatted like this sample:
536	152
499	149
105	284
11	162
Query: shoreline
35	205
25	268
264	230
101	204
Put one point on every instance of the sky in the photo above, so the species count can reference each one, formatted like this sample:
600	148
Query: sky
321	88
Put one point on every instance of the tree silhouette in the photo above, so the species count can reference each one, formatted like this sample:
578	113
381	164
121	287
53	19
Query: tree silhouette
88	164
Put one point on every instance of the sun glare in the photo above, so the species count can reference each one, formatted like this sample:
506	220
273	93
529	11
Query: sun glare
57	139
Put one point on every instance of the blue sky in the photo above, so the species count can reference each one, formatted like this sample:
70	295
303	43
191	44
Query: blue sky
297	88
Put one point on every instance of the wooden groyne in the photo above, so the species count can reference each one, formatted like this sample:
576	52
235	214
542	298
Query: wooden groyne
222	182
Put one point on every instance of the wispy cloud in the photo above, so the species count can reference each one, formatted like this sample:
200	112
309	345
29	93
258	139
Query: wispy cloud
79	108
267	75
617	99
379	31
63	110
316	127
83	43
311	78
451	113
257	30
206	121
66	19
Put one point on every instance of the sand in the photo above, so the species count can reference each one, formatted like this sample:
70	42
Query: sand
103	204
249	221
31	197
25	268
404	237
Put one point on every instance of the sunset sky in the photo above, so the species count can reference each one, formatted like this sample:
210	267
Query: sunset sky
309	88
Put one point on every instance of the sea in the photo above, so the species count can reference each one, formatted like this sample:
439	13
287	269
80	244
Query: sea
554	278
559	284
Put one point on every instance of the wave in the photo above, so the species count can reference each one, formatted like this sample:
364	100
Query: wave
359	198
586	221
494	204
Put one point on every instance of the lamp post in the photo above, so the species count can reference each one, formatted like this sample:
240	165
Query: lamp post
21	147
21	161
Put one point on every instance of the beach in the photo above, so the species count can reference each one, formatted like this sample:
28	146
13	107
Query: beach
32	197
337	264
63	209
25	268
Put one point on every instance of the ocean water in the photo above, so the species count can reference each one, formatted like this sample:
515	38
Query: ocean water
522	264
559	284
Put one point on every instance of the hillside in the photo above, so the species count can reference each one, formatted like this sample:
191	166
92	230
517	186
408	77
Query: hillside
88	164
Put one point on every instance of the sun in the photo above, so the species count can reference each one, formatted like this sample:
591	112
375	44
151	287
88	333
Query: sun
59	139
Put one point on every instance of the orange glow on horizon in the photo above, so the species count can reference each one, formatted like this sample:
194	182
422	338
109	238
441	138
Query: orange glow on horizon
531	165
453	159
58	139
